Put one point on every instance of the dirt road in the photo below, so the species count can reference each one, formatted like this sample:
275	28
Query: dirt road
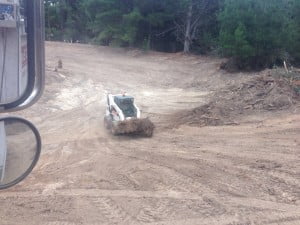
227	175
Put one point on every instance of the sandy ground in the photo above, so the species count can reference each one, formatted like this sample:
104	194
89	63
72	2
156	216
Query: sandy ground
228	175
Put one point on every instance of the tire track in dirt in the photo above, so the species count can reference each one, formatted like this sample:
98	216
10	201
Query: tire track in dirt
254	218
190	185
231	202
269	175
157	212
234	201
90	177
111	211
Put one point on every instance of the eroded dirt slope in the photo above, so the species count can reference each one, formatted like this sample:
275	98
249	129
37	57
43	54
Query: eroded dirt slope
243	174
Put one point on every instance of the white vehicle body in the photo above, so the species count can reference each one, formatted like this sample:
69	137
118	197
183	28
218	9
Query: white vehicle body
120	115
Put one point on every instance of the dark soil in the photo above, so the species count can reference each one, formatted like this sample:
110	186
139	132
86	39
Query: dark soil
142	127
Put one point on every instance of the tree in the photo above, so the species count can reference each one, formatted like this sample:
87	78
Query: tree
252	31
64	20
292	32
196	14
141	23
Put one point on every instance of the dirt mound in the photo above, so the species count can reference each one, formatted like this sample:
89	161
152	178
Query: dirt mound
261	93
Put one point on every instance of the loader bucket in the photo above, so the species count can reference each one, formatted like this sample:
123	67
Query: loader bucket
134	126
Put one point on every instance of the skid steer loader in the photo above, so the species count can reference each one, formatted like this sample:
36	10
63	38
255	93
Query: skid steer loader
122	116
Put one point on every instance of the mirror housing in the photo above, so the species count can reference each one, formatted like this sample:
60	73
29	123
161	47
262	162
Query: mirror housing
20	148
22	38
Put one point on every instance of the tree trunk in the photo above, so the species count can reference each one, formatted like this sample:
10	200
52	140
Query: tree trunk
187	37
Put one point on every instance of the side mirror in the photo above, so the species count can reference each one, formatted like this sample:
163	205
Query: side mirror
20	148
21	53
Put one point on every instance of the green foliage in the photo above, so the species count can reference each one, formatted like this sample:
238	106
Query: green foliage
241	46
129	27
255	33
292	32
112	22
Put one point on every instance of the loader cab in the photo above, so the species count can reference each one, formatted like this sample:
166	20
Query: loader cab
126	104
